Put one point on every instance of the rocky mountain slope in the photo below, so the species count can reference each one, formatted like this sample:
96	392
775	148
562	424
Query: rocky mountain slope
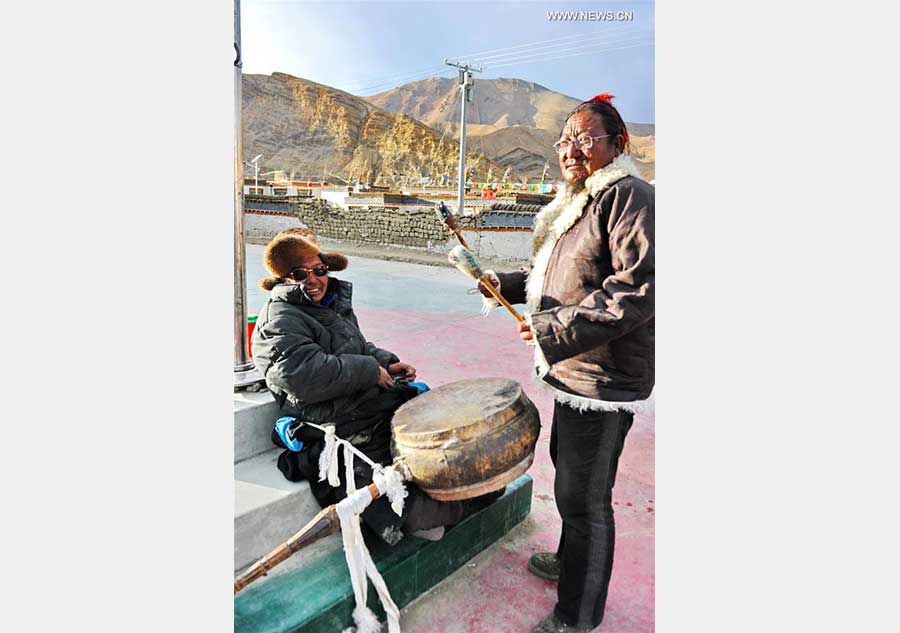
499	103
526	150
309	129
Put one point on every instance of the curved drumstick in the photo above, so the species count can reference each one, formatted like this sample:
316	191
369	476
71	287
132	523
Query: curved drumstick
466	261
323	524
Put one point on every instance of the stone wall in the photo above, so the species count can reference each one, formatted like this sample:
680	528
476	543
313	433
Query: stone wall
417	227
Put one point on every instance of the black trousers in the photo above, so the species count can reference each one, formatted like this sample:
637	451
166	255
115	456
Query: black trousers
585	449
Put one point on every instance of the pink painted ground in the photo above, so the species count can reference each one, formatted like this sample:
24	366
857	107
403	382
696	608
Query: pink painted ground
494	593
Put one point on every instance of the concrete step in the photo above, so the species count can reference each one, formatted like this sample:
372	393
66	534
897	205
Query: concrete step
254	417
319	599
268	510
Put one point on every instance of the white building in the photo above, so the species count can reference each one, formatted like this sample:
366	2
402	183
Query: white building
282	188
335	195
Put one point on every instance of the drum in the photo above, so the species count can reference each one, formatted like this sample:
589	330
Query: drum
466	438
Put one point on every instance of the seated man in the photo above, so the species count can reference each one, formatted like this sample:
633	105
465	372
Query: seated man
320	368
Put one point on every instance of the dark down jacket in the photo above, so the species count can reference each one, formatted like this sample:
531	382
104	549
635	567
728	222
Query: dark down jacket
315	360
321	369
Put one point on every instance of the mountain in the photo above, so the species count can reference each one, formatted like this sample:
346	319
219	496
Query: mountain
306	128
514	122
523	149
498	103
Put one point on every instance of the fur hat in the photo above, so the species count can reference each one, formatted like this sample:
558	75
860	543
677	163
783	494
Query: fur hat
288	249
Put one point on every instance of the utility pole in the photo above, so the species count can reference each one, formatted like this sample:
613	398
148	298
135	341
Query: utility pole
465	85
255	164
245	373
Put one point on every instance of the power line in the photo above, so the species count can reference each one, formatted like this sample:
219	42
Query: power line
585	47
481	53
392	81
401	79
608	37
355	85
375	88
604	50
526	52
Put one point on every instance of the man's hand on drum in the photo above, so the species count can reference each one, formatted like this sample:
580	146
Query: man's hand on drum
402	370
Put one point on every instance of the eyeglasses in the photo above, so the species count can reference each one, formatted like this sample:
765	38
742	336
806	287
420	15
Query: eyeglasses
583	143
299	274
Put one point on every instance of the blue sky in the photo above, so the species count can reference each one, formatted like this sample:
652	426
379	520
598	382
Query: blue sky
368	47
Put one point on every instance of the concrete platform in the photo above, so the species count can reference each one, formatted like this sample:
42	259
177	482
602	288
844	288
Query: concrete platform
319	599
254	415
268	510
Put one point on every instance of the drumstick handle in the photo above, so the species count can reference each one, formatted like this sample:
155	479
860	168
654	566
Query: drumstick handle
459	237
449	220
493	290
323	524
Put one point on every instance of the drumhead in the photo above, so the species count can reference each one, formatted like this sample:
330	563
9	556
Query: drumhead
461	409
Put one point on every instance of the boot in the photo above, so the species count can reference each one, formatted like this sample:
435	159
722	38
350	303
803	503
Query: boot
552	624
544	565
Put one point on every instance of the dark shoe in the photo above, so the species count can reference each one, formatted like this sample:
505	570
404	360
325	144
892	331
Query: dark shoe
544	565
552	624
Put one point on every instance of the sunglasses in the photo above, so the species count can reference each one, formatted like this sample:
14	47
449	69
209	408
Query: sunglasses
299	274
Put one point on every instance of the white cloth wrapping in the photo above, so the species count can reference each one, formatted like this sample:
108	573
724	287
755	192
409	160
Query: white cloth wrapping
389	482
328	460
359	561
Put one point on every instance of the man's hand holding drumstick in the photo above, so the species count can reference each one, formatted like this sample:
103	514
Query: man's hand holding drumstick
524	328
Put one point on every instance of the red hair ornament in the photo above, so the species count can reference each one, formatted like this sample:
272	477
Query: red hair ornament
605	97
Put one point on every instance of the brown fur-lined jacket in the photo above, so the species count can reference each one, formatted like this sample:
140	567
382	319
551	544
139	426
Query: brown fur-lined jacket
590	291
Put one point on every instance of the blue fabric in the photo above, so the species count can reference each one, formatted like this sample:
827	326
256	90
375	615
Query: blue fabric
281	427
421	387
328	298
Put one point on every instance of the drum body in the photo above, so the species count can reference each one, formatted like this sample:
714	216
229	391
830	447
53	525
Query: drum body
466	438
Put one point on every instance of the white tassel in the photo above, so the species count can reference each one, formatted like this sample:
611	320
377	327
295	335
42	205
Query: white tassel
359	561
360	564
366	622
391	481
488	304
328	460
348	467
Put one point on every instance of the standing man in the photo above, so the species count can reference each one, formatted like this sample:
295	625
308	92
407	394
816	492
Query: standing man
590	297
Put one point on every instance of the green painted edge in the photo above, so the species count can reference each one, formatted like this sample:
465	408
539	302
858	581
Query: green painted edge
294	602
